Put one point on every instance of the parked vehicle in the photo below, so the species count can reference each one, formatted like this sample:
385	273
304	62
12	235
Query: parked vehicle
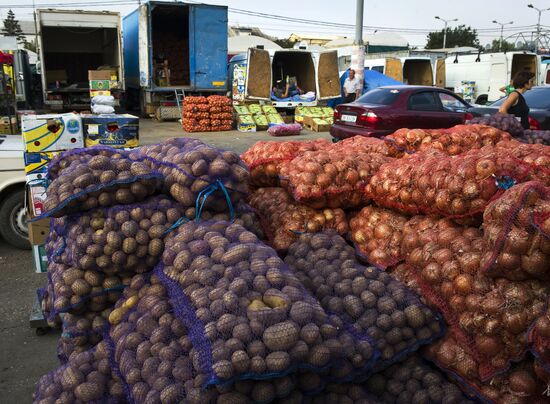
189	39
545	73
489	72
13	216
383	110
72	42
315	72
538	100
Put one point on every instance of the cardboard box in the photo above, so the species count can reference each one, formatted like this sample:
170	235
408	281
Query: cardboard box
94	93
313	124
115	130
246	127
40	258
37	163
35	188
100	85
107	74
52	132
38	231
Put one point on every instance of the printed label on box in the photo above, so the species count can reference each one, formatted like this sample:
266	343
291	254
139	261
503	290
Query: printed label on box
54	132
36	163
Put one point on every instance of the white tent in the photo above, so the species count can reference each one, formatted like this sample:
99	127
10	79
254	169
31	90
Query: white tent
378	39
240	44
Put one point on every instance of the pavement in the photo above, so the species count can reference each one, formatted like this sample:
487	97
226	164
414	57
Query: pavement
25	356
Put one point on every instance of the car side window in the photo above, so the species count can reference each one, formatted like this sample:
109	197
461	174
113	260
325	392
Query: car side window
424	101
451	103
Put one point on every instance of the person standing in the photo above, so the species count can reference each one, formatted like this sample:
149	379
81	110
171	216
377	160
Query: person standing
515	104
352	88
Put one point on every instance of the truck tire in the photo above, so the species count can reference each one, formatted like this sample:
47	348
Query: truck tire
13	220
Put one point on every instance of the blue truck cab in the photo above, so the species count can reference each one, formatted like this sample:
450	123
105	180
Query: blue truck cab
174	46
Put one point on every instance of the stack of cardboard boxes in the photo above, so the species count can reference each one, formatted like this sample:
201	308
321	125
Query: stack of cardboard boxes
253	117
317	119
102	82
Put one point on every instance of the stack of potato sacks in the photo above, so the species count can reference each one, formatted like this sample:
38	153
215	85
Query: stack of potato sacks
461	215
207	114
167	293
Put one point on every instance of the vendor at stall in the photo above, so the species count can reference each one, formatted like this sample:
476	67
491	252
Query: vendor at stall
288	89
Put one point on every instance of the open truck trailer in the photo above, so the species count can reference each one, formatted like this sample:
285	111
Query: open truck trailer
415	71
72	42
315	73
171	47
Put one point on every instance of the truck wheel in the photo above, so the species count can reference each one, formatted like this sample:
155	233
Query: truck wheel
13	220
482	99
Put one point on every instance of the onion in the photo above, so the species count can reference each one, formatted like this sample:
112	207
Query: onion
463	284
382	231
542	327
508	262
432	273
522	383
470	190
446	355
485	168
469	262
442	256
516	323
487	345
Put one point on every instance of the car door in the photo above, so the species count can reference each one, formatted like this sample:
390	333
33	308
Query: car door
424	111
454	109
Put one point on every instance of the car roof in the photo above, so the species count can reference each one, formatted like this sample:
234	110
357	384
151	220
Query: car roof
405	87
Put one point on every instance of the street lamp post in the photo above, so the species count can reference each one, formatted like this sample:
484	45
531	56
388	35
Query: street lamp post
445	29
501	32
540	11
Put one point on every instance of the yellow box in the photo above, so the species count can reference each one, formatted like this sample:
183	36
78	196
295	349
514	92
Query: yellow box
52	132
38	162
95	93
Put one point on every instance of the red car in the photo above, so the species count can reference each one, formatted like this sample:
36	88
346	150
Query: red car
381	111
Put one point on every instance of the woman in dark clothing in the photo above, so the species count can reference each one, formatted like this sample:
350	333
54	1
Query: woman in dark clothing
515	104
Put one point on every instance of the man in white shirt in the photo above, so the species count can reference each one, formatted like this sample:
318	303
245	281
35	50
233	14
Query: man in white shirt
352	89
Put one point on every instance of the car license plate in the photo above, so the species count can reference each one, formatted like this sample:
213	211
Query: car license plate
349	118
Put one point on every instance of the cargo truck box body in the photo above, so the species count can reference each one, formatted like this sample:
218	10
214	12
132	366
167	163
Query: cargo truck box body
175	46
72	42
488	71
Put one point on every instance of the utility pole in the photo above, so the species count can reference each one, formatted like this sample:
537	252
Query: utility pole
501	32
540	11
358	50
445	29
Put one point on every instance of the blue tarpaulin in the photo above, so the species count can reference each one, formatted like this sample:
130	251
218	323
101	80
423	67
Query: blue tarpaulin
373	79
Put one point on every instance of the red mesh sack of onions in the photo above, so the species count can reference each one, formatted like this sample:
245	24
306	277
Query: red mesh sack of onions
430	182
452	141
539	339
285	129
536	156
516	228
284	219
494	315
521	384
331	178
264	158
363	144
377	233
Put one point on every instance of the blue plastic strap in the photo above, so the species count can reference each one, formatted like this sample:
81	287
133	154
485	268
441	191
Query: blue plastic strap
505	182
178	223
228	199
207	192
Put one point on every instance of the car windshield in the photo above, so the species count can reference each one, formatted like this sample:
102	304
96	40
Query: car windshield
379	96
538	98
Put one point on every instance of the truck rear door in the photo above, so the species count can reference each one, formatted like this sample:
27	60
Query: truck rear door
328	80
394	69
258	75
210	47
440	73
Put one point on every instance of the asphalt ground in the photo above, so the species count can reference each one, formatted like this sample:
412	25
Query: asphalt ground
26	356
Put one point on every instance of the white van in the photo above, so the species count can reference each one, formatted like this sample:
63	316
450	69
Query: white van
545	74
314	71
489	71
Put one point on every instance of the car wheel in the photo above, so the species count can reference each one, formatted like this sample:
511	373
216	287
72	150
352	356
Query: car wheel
13	220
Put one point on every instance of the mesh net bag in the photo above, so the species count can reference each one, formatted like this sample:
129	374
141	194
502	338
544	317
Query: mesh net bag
284	219
362	144
536	156
516	229
204	114
73	290
292	129
452	141
85	378
125	238
96	180
493	315
235	292
377	234
331	178
539	339
264	158
64	160
504	122
536	137
375	305
196	174
431	182
519	384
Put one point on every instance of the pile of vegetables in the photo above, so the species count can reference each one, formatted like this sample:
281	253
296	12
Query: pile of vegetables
264	159
504	122
286	219
377	233
452	141
360	144
535	137
205	114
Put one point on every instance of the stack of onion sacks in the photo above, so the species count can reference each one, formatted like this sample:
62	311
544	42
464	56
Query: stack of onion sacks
284	219
264	158
377	233
362	144
516	228
536	156
493	314
332	177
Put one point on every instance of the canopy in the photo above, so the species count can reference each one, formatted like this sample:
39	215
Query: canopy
241	43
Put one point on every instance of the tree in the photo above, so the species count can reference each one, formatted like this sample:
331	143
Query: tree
457	36
12	27
31	45
506	46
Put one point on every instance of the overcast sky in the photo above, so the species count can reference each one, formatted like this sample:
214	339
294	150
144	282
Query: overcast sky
402	14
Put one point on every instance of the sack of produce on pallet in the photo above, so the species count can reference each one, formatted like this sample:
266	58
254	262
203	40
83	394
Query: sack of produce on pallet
331	178
516	229
377	234
284	219
376	306
264	159
505	122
